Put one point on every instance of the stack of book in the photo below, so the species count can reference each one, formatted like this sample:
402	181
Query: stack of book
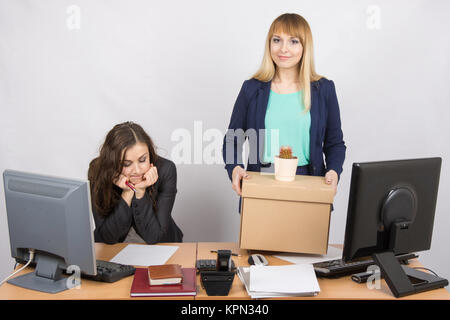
164	280
279	281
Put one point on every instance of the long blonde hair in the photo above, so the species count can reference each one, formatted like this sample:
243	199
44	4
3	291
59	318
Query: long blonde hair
296	26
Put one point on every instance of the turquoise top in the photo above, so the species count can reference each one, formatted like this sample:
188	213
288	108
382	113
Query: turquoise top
287	125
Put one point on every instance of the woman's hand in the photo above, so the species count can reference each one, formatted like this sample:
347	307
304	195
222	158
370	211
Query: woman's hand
127	192
150	178
236	177
331	177
121	183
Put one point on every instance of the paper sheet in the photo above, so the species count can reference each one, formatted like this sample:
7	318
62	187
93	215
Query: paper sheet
290	279
244	276
144	255
299	258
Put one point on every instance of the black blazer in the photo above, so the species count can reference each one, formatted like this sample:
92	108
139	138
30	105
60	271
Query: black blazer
152	226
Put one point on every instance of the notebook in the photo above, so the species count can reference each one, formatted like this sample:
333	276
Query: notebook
142	288
165	274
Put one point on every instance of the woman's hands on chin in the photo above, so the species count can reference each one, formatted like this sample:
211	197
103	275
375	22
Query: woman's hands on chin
149	178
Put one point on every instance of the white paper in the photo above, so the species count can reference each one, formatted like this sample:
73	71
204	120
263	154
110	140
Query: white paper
144	255
300	258
244	275
290	279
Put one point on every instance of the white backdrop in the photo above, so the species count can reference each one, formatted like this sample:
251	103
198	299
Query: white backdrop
70	70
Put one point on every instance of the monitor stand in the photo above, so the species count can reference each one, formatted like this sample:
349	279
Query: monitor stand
404	281
47	277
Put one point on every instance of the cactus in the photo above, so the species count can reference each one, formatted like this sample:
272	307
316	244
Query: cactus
286	152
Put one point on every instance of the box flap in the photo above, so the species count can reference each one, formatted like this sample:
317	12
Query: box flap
303	188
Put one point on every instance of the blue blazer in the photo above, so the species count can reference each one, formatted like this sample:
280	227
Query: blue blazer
249	114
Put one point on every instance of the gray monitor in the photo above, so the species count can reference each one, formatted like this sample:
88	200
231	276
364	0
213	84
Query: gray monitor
53	217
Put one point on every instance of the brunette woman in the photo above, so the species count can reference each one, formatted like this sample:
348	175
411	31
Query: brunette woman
132	189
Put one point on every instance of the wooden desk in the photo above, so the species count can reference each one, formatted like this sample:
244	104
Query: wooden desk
335	289
185	255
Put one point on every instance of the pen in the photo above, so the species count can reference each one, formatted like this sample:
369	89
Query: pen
233	254
130	185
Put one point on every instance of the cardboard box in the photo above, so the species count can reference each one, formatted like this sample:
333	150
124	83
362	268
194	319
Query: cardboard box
285	216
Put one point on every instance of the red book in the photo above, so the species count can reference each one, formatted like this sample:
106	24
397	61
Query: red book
142	288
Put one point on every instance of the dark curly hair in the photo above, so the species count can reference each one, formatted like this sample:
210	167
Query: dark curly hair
106	168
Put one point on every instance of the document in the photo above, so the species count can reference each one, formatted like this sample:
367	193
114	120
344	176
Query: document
301	258
244	274
290	279
144	255
277	278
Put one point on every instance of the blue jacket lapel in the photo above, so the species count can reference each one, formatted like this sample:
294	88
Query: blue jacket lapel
314	112
263	100
261	108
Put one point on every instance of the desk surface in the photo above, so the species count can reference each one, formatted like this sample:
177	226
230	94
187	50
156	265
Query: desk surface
186	255
336	289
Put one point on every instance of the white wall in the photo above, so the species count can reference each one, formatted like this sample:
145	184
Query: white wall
65	82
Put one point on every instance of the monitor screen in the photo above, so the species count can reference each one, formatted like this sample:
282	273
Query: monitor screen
391	207
51	216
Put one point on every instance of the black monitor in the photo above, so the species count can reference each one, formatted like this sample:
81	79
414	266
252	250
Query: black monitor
51	217
391	211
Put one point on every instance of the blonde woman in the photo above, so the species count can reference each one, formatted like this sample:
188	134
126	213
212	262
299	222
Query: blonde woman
287	97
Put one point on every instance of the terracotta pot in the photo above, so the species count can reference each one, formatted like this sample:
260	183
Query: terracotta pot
285	169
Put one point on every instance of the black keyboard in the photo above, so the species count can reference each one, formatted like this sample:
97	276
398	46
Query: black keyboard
106	271
110	271
339	268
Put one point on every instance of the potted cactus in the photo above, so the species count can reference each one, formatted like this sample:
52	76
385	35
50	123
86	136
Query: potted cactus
285	165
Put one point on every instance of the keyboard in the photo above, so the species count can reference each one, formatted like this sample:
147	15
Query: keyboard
110	271
106	271
339	268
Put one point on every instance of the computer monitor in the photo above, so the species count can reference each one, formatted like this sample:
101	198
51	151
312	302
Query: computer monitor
391	211
51	216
